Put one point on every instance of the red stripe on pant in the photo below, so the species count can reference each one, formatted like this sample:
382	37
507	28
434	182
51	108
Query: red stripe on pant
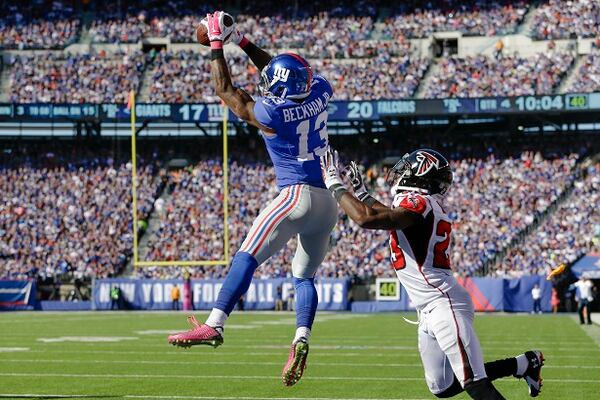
266	218
277	220
467	370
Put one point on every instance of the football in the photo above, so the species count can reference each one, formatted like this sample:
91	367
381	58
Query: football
202	31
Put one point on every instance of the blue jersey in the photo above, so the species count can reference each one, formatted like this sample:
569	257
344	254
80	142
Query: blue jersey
300	134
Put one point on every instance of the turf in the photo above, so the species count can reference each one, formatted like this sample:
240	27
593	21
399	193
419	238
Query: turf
352	356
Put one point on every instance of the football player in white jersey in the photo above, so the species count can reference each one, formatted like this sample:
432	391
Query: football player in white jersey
420	233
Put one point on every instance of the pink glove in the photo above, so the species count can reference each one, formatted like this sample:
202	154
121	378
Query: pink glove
217	31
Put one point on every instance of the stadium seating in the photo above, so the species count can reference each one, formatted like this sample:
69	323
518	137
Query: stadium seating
508	192
185	76
71	218
508	75
476	18
588	75
40	25
50	211
557	19
569	233
77	78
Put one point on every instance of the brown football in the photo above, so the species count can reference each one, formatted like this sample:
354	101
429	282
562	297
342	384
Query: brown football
202	32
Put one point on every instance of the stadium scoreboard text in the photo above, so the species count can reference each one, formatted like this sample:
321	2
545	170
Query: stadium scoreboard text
387	289
338	110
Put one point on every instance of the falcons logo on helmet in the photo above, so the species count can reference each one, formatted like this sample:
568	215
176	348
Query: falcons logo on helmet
426	163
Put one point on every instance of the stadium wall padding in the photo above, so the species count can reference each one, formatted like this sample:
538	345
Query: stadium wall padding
145	294
517	293
488	294
17	295
51	305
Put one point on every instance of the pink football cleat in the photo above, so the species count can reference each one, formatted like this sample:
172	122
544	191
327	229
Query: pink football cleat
200	334
294	368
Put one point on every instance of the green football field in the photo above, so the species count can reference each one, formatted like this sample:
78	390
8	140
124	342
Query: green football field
353	356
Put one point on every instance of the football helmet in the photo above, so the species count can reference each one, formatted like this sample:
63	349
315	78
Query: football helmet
287	76
424	170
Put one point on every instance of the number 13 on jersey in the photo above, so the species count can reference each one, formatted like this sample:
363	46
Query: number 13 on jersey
316	135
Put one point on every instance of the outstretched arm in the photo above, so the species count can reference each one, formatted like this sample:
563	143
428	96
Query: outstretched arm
366	216
259	57
374	217
240	102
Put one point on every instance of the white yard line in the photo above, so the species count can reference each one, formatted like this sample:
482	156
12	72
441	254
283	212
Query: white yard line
204	362
243	377
219	353
256	344
132	396
592	331
260	398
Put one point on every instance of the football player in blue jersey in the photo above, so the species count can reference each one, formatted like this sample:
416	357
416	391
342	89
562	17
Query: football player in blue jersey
292	117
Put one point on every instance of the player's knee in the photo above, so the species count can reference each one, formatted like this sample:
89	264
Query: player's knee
483	390
308	283
244	260
303	271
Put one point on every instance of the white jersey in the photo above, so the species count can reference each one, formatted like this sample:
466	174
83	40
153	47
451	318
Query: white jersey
420	253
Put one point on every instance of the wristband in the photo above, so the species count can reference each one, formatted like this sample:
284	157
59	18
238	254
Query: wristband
369	200
248	46
216	44
244	42
216	54
338	191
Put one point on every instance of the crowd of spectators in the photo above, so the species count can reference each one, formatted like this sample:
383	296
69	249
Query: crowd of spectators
184	76
588	75
362	79
476	18
559	19
130	29
509	75
325	27
509	193
37	24
75	78
569	233
73	219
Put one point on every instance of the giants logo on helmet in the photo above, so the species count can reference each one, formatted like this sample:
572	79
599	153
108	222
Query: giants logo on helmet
280	74
426	163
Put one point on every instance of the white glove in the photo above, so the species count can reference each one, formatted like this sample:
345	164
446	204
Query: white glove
236	37
330	169
356	180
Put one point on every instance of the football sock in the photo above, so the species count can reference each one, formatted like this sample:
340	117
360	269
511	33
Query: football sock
217	319
483	390
306	302
237	281
493	369
501	368
302	332
522	364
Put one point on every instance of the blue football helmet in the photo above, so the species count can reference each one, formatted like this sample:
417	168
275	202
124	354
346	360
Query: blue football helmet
287	76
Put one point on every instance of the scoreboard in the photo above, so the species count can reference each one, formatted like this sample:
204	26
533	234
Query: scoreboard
338	110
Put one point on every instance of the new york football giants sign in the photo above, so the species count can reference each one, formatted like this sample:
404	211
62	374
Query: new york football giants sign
148	294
